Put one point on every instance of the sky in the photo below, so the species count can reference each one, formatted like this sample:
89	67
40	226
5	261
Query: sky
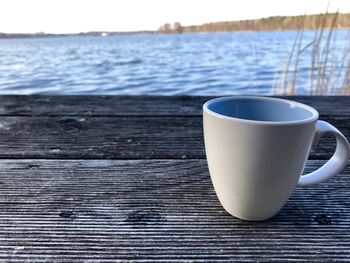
73	16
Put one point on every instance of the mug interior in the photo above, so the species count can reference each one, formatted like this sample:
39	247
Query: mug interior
262	109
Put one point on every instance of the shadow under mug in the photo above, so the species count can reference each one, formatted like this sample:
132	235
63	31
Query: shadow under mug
256	149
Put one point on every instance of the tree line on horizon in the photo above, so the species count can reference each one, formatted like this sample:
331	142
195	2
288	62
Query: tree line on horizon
276	23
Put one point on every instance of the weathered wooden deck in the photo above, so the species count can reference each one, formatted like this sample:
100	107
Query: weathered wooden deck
118	179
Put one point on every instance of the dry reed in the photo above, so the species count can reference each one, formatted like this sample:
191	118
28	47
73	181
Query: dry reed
328	74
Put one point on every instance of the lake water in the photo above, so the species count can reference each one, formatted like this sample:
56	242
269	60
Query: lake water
198	64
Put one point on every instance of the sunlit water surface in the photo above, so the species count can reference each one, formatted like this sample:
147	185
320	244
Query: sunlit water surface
197	64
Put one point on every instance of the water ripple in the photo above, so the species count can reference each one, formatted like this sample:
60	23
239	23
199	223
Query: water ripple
206	64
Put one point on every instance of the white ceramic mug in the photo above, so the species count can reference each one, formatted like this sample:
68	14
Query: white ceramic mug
257	148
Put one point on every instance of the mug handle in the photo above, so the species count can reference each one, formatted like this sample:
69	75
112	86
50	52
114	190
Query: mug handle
338	161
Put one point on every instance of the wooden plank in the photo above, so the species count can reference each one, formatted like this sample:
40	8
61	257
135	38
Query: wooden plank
138	105
117	137
158	210
37	105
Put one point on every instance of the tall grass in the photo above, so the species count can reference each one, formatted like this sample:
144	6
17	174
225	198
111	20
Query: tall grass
328	73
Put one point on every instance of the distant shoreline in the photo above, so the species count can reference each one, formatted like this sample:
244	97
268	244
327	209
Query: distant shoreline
326	21
270	24
99	33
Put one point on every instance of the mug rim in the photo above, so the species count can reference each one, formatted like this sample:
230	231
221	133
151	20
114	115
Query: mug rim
314	112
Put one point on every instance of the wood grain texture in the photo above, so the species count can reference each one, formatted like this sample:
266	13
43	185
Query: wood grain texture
139	105
157	211
118	137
